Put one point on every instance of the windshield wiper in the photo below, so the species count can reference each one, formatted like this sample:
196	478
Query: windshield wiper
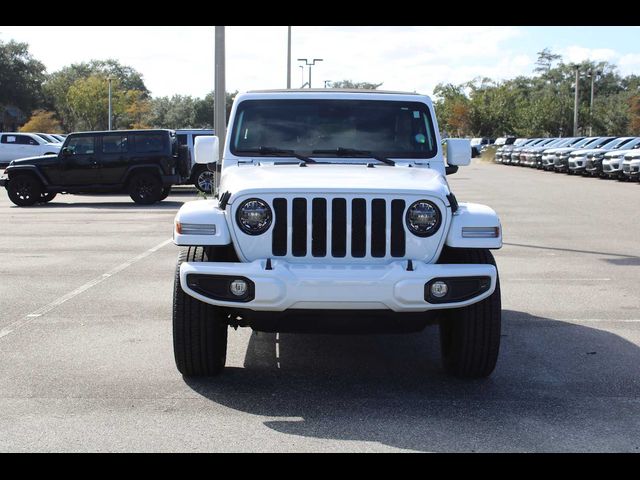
279	152
352	152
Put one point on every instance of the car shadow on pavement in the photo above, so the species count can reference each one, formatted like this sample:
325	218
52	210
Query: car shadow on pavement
164	205
558	386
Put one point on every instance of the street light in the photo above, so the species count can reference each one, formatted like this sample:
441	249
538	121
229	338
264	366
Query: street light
310	64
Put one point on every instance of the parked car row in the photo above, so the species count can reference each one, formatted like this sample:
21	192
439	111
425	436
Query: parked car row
606	157
480	144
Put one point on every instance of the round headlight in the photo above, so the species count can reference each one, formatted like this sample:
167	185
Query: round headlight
423	218
254	216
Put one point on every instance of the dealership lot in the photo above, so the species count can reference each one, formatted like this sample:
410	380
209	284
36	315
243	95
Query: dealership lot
86	360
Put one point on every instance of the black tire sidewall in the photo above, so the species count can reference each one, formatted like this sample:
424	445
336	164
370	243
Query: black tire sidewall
199	329
145	188
470	336
20	182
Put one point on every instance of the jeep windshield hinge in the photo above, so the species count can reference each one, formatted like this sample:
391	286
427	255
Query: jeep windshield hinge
224	200
453	202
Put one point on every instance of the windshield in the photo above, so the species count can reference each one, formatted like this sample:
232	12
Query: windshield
618	143
322	127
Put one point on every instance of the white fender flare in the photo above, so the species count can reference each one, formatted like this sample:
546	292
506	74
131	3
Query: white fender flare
474	226
201	222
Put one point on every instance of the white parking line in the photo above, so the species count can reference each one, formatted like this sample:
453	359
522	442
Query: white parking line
598	320
558	279
92	283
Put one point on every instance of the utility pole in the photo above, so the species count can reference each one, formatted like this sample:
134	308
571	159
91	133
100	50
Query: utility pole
313	62
220	104
109	79
288	58
575	103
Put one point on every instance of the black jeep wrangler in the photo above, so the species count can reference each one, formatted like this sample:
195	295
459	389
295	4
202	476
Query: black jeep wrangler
143	163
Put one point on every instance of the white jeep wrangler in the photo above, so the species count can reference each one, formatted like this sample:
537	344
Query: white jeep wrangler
333	214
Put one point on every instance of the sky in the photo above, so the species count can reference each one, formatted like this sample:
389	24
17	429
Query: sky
180	60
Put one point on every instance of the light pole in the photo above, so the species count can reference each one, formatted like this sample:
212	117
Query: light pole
575	103
109	79
288	58
219	100
313	62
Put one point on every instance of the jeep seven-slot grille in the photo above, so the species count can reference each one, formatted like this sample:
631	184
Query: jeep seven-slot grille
296	234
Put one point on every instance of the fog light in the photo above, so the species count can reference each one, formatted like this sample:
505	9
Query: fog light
439	289
238	288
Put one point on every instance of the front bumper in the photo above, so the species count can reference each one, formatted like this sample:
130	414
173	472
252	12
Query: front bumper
4	180
338	287
632	173
577	164
612	171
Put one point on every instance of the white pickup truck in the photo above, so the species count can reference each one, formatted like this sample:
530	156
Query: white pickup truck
333	214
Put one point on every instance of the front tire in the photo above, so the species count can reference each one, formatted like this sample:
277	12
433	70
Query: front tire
145	188
199	329
24	190
470	336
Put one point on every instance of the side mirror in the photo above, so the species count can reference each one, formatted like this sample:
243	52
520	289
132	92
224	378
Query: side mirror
206	150
66	152
458	152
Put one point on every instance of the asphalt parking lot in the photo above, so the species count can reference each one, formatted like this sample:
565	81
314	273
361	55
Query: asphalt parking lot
86	359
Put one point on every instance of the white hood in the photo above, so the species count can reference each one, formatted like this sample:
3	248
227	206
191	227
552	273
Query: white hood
335	178
619	153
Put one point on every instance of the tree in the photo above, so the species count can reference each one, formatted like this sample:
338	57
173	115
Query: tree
42	121
178	111
21	76
137	111
453	109
545	60
634	113
204	109
88	103
355	85
57	85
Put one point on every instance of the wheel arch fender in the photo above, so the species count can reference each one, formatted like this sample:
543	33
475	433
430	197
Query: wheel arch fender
474	226
28	169
201	222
